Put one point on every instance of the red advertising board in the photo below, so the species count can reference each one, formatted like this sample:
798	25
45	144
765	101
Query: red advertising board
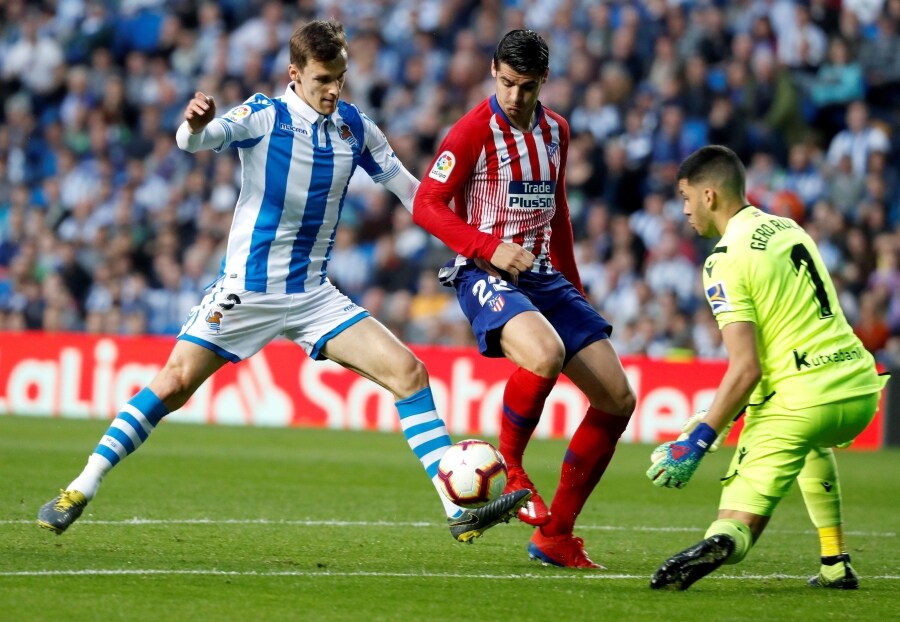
85	376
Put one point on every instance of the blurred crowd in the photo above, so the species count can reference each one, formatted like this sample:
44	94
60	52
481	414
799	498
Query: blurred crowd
107	227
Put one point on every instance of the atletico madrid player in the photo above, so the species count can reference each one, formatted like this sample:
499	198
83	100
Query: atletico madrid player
503	167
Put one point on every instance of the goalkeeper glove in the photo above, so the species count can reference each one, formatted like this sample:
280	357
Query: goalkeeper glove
676	461
692	423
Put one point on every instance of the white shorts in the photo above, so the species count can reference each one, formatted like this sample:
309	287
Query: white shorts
237	323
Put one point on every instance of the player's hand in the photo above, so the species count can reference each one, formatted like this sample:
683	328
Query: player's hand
675	461
484	264
691	424
200	111
512	259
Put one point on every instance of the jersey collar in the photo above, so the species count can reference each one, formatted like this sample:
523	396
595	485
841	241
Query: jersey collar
297	105
745	213
497	109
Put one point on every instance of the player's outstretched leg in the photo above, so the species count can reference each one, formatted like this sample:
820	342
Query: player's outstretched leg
472	524
682	570
127	432
837	573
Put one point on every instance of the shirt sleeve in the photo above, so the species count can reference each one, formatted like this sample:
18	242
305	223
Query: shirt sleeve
210	137
246	124
562	240
728	289
378	158
403	185
448	174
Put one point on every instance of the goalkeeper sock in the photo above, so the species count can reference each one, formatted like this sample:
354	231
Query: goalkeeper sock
831	541
427	436
128	431
523	403
818	481
589	452
739	532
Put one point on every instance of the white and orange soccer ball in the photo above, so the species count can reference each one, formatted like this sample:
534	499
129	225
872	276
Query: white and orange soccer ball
472	473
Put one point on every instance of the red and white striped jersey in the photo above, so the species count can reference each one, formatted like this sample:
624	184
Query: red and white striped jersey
506	186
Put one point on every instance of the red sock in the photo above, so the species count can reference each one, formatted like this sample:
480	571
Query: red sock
590	450
523	402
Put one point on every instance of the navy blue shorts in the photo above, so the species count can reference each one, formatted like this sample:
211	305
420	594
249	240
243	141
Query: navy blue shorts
489	303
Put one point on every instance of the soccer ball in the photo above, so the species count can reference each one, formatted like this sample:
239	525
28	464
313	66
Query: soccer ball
472	473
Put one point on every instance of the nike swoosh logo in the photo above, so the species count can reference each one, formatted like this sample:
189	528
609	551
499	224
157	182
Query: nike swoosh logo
505	158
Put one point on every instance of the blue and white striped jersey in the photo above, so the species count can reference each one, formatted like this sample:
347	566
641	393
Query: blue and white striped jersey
296	164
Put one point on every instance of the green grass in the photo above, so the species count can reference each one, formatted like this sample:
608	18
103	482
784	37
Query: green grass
220	523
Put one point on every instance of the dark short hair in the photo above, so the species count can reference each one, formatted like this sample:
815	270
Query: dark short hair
320	40
525	51
715	163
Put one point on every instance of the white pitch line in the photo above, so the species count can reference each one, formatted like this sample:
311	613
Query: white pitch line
415	524
579	576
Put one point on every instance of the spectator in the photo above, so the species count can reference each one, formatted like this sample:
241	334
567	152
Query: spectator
804	175
880	60
857	141
35	60
803	45
838	82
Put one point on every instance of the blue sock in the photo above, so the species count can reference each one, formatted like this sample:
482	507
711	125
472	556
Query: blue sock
126	433
427	437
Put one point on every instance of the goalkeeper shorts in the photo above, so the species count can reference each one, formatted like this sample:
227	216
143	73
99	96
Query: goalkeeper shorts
775	442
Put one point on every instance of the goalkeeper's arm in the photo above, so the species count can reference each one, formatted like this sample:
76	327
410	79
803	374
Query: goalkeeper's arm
740	378
674	462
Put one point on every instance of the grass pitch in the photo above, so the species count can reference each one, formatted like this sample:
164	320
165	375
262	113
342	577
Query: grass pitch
223	523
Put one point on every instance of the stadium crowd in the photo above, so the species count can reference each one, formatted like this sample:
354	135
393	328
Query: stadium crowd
107	227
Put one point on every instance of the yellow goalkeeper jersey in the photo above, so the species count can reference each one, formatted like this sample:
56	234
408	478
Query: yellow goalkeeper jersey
767	270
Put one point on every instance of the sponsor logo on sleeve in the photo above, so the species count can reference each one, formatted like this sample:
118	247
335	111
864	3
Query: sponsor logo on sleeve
237	113
443	166
718	298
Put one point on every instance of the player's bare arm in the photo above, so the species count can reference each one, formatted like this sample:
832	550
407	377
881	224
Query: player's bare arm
200	111
740	378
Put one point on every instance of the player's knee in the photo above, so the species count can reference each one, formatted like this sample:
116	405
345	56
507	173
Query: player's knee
547	363
624	402
410	376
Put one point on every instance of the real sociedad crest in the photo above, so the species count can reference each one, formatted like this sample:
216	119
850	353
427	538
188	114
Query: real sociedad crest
346	135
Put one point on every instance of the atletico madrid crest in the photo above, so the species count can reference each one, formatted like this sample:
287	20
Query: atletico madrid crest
496	303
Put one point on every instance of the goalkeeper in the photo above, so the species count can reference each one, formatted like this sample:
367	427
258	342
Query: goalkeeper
808	383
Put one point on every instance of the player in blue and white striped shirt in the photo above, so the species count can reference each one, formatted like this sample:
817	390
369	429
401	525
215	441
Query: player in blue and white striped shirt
298	152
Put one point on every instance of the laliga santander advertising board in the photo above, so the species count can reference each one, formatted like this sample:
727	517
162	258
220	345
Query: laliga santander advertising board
89	377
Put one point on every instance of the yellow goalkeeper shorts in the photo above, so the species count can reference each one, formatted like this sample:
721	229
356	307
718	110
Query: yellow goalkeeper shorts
774	443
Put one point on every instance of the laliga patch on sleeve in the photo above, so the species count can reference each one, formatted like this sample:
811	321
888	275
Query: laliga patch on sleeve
443	166
718	298
237	113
